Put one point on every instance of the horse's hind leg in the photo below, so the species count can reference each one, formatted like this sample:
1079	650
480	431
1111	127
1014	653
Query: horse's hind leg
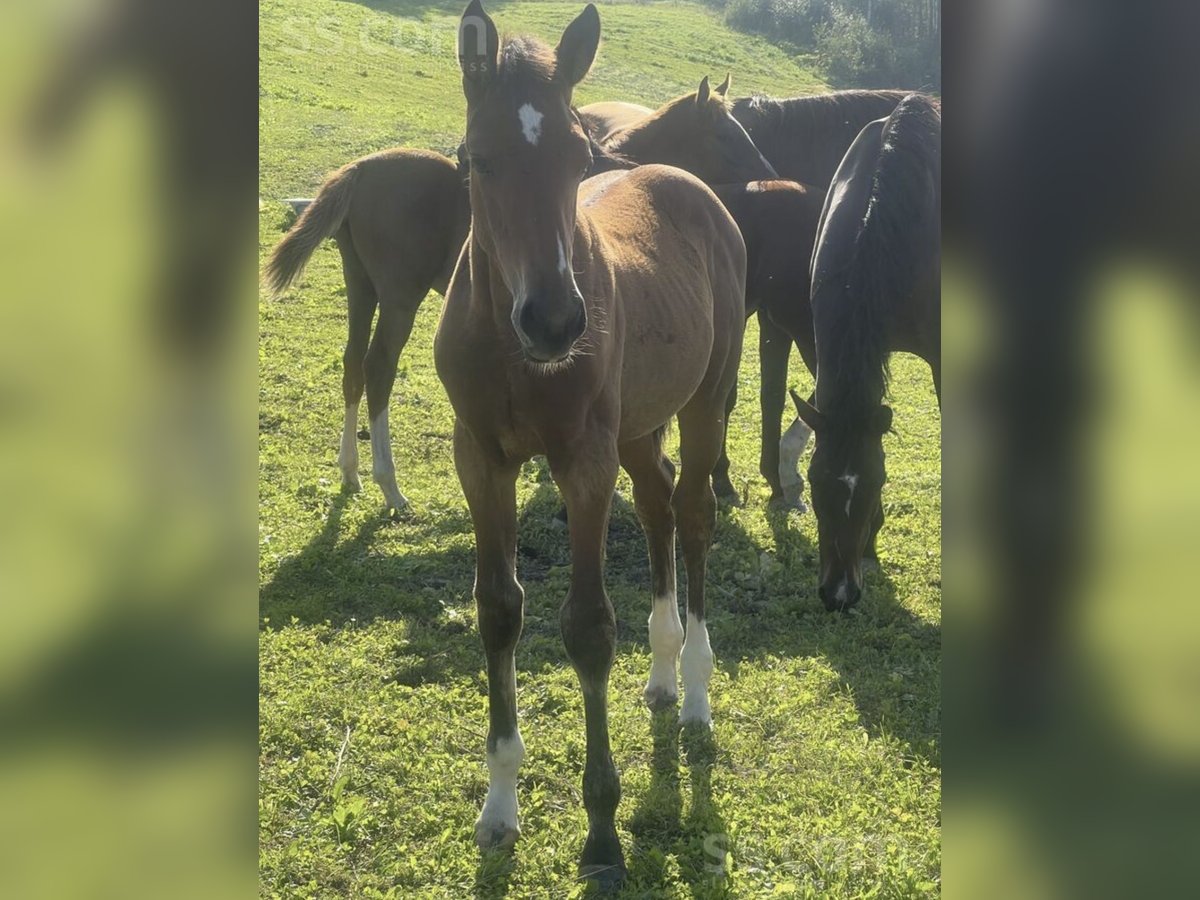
701	430
653	480
722	485
773	349
397	310
360	308
490	490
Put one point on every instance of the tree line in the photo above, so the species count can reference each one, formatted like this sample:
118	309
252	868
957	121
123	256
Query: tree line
857	43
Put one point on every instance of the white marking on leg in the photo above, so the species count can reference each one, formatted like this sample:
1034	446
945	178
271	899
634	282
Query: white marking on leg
851	481
383	469
497	823
531	123
791	449
666	640
348	452
696	666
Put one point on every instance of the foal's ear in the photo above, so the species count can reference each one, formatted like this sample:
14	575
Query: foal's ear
702	92
881	420
577	48
723	87
478	45
808	413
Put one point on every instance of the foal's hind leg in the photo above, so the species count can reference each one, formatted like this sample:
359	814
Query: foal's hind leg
360	310
701	429
397	309
653	480
490	490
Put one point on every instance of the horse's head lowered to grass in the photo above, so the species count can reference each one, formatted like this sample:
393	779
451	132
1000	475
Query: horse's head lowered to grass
846	478
528	152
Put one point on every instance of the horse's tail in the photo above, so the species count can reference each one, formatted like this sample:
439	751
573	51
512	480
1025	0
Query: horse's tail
320	219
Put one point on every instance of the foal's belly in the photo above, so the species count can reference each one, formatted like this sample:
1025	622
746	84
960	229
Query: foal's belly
667	352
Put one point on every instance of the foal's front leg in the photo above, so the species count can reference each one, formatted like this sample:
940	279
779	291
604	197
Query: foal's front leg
490	489
587	477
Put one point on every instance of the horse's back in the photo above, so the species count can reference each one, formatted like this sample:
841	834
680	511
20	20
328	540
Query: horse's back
846	204
680	267
409	214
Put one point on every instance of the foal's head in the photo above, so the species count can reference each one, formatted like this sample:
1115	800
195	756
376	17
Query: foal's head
846	479
697	133
528	153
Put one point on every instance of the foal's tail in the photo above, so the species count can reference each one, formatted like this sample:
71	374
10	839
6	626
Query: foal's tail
321	219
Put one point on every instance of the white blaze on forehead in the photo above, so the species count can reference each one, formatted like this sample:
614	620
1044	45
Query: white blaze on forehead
562	256
851	481
531	123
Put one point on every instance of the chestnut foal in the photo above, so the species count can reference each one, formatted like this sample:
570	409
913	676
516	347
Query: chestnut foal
580	319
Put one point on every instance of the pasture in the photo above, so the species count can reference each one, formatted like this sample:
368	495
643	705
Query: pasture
822	774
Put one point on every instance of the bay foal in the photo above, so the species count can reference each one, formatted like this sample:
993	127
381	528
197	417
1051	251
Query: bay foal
580	319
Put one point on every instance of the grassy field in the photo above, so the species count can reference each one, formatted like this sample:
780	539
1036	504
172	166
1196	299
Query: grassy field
822	774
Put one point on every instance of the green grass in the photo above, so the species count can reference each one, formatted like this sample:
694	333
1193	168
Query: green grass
822	775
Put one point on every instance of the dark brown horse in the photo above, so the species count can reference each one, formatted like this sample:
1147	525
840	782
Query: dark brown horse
400	217
778	220
805	138
581	318
876	287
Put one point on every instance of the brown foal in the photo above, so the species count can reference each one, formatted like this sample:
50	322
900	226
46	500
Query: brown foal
580	319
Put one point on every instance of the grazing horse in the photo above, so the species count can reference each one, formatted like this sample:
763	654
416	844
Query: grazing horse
400	217
581	318
876	286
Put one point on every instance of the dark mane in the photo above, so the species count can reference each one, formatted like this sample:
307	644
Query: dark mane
804	138
883	264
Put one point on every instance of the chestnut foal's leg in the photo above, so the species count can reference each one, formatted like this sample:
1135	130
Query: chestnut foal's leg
360	310
653	482
701	428
490	489
587	475
397	309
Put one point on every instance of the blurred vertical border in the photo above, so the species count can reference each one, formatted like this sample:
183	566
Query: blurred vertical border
128	146
1071	671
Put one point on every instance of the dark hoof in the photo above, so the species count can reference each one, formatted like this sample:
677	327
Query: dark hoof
658	699
727	495
780	503
607	879
364	435
602	862
497	836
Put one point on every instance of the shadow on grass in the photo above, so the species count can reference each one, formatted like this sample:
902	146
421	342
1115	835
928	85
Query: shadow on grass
762	602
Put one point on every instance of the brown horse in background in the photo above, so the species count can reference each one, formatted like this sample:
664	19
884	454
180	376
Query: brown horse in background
580	320
400	217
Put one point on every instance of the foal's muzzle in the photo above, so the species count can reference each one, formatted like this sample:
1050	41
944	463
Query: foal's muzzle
548	328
